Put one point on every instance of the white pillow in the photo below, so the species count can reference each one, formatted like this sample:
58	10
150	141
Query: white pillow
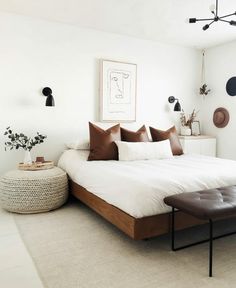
78	145
129	151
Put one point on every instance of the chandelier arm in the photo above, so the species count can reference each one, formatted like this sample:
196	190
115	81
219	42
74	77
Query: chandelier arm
215	19
227	15
207	25
224	20
207	19
211	22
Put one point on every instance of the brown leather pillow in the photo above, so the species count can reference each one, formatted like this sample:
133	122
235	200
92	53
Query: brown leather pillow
171	134
130	136
102	145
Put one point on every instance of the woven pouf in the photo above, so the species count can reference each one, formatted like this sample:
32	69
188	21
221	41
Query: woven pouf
33	191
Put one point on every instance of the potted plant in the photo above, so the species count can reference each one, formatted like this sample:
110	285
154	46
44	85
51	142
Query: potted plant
186	122
22	141
203	90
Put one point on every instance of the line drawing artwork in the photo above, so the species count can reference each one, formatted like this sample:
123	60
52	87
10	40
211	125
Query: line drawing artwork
118	91
119	86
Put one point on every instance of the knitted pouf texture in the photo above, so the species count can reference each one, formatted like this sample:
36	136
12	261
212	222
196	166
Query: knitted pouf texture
33	191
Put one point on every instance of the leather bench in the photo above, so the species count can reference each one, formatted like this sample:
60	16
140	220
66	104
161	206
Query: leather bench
208	205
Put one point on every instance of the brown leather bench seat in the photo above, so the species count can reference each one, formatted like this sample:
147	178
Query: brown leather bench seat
208	205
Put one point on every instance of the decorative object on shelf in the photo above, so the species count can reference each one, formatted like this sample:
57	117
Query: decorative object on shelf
221	117
117	91
231	86
40	159
48	93
185	131
177	107
215	18
186	122
195	128
17	141
27	158
35	166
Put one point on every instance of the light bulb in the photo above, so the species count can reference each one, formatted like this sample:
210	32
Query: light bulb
212	8
192	20
205	27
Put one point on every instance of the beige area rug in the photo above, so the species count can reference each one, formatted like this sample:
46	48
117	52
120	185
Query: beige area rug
73	247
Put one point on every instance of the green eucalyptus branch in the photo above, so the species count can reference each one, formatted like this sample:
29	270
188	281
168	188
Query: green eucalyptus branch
17	141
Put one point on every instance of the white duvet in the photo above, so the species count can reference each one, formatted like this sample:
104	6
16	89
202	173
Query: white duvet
138	187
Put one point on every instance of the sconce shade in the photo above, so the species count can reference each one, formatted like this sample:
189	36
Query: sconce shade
177	107
48	93
50	101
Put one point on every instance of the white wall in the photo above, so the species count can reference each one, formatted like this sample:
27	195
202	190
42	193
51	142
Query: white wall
36	53
220	66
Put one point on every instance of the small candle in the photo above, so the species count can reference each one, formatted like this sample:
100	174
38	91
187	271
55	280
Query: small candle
40	159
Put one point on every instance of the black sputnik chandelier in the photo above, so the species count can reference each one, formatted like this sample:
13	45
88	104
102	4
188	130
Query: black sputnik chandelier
216	18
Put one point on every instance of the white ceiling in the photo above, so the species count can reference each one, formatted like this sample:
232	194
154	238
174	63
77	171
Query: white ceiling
158	20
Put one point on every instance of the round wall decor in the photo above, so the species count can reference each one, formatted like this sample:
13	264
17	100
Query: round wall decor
221	117
231	86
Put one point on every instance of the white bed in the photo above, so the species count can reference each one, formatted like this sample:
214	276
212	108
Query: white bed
138	187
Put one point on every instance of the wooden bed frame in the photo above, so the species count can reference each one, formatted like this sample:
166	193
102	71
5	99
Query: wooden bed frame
136	228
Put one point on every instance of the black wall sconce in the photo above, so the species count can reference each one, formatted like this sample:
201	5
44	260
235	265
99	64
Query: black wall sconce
177	107
48	93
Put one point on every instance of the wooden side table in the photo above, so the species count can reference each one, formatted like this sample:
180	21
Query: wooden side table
33	191
202	144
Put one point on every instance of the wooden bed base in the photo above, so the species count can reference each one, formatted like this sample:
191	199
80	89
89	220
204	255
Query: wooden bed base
136	228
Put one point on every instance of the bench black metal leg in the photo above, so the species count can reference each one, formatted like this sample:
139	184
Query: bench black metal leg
210	246
210	240
173	229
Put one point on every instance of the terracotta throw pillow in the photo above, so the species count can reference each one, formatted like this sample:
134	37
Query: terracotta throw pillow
130	136
102	145
171	134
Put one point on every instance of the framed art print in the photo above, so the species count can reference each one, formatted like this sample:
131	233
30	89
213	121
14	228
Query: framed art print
195	128
117	91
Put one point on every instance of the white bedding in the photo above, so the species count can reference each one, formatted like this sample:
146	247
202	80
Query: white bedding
138	187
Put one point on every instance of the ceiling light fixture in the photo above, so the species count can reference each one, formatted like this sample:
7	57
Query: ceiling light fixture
216	18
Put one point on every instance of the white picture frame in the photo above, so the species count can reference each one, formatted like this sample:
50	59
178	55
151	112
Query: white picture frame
195	128
117	91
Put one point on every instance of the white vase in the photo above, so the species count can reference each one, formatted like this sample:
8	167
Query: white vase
27	157
185	131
